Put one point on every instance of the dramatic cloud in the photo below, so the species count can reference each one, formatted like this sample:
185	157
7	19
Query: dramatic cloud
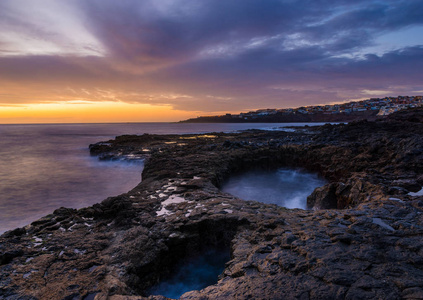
209	55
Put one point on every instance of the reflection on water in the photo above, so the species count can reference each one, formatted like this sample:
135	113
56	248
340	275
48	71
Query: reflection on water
285	187
46	166
194	273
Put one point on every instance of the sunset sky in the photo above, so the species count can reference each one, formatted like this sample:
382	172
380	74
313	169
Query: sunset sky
167	60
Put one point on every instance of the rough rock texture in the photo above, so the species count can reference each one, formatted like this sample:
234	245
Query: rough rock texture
362	239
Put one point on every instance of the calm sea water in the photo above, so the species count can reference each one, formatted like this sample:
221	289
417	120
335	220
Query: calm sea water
44	167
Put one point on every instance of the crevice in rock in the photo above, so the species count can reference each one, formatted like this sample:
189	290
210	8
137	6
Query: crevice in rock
285	187
271	159
267	159
346	187
201	240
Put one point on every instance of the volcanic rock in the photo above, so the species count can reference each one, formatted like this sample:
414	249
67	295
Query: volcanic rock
360	239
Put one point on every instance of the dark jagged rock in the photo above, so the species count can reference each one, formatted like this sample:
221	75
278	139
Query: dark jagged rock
361	239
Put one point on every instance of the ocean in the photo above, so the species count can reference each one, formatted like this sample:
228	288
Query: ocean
47	166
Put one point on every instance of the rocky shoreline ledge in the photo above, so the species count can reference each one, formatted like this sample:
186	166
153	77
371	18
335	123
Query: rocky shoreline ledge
361	239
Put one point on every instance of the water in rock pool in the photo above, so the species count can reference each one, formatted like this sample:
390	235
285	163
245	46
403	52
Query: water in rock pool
285	187
46	166
194	273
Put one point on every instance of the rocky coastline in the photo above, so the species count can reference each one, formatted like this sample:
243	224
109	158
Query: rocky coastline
280	117
360	239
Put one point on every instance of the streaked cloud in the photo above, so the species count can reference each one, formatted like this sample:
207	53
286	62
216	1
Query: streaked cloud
209	55
45	27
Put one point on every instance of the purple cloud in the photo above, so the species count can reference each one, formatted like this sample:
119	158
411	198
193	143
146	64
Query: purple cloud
214	55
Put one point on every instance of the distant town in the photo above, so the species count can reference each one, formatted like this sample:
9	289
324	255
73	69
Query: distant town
373	107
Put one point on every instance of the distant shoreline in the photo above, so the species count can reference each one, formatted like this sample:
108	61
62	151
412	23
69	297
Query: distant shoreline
370	110
289	118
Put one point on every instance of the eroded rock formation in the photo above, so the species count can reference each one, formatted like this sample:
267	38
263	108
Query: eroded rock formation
361	239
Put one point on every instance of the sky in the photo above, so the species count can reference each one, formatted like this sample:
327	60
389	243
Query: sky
167	60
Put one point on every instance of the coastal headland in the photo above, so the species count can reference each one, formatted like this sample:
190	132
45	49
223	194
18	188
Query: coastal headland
369	109
360	239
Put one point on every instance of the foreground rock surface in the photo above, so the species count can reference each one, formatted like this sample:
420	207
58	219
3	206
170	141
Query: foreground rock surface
361	240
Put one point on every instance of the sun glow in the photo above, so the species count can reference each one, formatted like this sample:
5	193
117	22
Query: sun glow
90	112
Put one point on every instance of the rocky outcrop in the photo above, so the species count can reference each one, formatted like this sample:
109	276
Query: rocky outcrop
361	238
348	194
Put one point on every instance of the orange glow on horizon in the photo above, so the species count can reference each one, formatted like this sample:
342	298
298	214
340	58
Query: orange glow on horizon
91	112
